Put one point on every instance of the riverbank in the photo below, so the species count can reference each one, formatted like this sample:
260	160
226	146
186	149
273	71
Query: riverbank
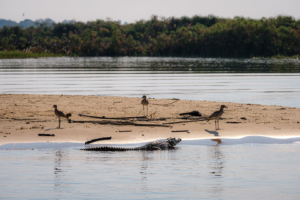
23	54
23	117
280	57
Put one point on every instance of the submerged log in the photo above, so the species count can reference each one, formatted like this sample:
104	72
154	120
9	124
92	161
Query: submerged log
98	139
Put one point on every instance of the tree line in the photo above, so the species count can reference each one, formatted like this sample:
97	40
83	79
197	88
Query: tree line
199	36
27	22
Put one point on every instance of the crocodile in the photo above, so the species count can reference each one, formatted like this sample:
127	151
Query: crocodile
167	144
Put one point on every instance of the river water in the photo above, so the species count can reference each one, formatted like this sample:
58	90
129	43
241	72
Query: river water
247	168
268	82
244	168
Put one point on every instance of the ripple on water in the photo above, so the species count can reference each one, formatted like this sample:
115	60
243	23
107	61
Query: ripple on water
254	167
269	82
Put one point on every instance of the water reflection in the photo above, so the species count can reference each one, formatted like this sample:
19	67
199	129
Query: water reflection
208	65
57	162
217	171
219	141
217	165
58	172
146	158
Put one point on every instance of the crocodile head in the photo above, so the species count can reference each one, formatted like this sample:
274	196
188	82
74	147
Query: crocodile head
173	141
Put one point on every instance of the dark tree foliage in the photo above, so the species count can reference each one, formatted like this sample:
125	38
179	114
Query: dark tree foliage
199	36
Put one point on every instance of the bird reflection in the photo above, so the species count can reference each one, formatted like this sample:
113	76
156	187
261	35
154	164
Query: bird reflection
58	157
58	172
144	165
219	141
217	155
216	165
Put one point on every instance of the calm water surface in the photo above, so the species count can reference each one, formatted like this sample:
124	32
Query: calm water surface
249	168
195	170
269	82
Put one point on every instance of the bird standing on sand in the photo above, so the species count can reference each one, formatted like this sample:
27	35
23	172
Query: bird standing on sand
216	116
145	102
60	114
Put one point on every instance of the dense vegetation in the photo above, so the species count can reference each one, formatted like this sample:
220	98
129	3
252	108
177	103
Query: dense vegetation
27	22
21	54
197	36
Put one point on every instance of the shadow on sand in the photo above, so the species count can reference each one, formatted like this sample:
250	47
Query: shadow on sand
49	129
212	132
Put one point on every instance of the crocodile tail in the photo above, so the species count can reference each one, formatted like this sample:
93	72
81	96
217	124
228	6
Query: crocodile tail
105	148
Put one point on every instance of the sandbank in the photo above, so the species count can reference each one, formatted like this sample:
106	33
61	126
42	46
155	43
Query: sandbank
24	116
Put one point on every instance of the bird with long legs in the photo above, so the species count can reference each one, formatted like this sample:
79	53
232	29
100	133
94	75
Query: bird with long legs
60	114
216	116
145	102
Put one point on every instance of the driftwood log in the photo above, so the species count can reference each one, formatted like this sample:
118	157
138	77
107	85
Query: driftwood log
185	121
180	131
103	117
42	134
98	139
30	120
193	113
105	122
167	104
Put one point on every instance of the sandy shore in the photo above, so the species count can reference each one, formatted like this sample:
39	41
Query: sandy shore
23	117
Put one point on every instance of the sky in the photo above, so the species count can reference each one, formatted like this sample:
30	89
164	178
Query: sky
135	10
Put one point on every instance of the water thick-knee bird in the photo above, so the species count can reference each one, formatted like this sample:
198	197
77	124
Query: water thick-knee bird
60	114
145	102
216	116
